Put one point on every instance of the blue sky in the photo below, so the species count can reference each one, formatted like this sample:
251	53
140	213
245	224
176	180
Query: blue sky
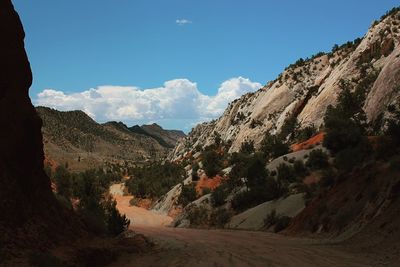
137	50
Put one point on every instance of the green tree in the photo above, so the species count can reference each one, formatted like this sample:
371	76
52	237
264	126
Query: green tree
188	194
273	146
247	147
116	223
317	160
62	179
211	162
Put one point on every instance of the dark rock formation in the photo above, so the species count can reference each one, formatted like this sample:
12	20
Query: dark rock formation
29	214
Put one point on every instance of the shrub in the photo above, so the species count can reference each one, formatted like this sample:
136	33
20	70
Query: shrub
116	223
188	195
317	160
286	173
219	195
62	179
271	218
195	168
155	179
247	147
349	158
300	169
273	146
289	128
270	190
282	223
220	217
211	163
279	221
328	178
198	216
305	133
345	123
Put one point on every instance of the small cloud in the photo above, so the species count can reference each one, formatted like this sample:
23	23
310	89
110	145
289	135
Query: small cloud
182	22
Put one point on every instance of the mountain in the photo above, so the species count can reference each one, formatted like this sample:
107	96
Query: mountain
304	90
73	137
317	152
31	217
170	137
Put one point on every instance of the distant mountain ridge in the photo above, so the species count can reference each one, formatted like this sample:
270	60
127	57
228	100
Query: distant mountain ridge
73	137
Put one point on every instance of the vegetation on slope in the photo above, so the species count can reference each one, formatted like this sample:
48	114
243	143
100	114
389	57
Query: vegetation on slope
86	192
154	179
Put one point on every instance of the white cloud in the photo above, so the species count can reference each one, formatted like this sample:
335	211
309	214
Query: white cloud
181	22
176	101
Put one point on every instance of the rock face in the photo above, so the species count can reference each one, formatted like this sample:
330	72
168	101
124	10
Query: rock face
29	212
253	219
305	89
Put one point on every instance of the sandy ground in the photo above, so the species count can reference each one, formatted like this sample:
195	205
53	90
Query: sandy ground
191	247
139	217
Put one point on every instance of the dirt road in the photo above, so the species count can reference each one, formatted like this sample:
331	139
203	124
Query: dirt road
138	216
191	247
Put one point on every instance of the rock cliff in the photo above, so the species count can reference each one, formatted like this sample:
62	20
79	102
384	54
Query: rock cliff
30	215
304	90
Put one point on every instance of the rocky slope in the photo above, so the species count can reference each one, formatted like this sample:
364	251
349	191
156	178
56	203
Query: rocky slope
74	138
304	90
170	137
30	215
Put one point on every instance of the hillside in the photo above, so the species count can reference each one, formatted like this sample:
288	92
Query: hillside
73	137
313	153
171	137
304	90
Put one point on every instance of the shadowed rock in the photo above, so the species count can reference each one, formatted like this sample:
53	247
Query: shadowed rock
29	214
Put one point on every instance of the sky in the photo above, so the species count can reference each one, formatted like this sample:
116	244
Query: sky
175	62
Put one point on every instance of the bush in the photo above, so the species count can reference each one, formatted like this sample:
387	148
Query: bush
289	128
251	167
247	147
116	223
305	133
328	178
219	196
282	223
220	217
155	179
286	173
273	146
198	216
62	179
270	190
279	221
211	163
188	195
349	158
345	123
300	169
195	168
271	218
317	160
